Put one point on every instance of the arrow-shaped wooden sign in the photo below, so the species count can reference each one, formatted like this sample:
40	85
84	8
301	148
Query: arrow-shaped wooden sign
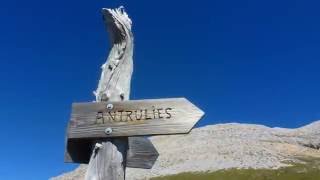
132	118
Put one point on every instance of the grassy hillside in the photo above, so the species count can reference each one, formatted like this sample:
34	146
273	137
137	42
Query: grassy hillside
310	170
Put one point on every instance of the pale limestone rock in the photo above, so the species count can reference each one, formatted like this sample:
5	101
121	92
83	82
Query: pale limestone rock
224	146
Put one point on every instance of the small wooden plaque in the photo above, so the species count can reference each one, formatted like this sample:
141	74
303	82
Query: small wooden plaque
132	118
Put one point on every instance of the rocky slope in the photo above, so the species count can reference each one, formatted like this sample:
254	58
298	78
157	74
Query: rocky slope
226	146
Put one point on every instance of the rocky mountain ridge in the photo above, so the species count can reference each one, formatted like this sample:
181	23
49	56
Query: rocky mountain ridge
225	146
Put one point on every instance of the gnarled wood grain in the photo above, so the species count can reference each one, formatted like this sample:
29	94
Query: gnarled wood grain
107	161
114	85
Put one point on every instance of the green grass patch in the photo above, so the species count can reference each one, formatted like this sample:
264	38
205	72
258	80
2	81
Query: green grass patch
310	170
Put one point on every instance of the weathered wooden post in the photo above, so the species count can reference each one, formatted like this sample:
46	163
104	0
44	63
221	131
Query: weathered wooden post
104	133
108	156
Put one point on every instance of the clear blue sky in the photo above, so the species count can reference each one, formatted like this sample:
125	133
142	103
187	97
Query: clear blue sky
240	61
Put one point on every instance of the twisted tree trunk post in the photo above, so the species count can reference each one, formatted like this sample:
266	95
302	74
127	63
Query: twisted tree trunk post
108	158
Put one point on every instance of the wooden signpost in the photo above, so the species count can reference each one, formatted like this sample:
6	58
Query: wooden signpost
106	133
132	118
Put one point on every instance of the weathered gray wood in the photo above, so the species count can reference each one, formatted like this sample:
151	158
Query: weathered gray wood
107	161
133	118
114	84
141	153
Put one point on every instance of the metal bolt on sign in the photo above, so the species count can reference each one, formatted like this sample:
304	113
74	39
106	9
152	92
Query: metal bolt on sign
108	131
109	106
